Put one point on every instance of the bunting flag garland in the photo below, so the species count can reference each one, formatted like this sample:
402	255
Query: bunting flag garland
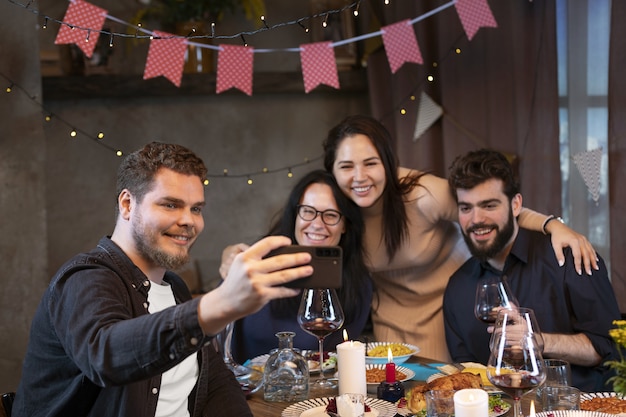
234	68
83	15
401	44
318	65
166	57
235	63
589	165
474	14
428	113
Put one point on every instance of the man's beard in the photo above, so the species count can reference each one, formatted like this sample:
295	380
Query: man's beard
147	246
486	252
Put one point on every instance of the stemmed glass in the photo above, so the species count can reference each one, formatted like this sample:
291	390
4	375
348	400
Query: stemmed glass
492	295
320	314
249	379
515	364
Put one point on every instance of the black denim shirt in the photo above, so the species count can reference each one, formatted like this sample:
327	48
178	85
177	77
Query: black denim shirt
94	349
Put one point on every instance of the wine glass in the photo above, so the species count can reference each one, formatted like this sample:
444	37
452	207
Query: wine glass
250	380
320	314
515	364
492	295
519	319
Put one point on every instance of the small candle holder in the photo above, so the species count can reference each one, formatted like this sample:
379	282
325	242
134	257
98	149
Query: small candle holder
390	389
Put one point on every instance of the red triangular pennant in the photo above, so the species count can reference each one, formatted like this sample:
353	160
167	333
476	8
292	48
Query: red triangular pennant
318	65
474	14
81	14
401	44
166	57
234	68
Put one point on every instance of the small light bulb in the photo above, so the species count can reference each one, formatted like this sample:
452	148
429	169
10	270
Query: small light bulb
73	133
100	135
118	153
206	182
403	111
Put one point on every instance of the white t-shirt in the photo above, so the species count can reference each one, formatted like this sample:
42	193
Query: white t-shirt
177	383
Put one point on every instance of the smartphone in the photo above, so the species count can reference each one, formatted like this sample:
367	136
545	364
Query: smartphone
327	262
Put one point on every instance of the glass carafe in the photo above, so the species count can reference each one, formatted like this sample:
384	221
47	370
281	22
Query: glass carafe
286	374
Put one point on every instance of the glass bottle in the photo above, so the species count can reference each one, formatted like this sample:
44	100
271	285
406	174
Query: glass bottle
286	374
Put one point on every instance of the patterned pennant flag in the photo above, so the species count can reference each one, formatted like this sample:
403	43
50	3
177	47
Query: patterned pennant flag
166	57
401	44
589	165
79	15
474	14
234	68
318	65
428	113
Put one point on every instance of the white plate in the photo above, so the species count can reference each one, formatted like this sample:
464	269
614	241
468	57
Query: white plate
406	371
259	361
589	395
573	413
316	407
383	359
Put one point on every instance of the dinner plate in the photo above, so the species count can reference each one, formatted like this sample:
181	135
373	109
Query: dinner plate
397	359
258	363
573	413
406	371
589	395
316	407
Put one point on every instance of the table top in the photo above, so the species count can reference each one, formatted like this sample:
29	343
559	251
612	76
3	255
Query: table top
262	408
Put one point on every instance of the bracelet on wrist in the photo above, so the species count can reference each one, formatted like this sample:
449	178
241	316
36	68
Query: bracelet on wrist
548	220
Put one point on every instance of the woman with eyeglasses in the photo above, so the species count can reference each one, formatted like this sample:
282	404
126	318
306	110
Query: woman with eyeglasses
317	213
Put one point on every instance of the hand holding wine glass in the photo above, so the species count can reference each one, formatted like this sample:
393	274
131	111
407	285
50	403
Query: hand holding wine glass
492	295
320	314
515	364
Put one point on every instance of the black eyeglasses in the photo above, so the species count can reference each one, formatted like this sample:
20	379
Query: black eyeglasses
329	217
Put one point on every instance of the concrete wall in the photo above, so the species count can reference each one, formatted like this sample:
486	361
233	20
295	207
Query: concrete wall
57	193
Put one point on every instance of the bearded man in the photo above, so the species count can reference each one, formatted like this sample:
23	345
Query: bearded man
574	312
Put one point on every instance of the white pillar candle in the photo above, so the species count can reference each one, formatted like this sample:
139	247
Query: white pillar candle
471	403
351	368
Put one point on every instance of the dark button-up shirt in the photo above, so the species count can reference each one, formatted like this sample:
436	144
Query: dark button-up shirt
94	349
563	301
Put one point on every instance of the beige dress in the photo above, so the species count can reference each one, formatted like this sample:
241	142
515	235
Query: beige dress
407	305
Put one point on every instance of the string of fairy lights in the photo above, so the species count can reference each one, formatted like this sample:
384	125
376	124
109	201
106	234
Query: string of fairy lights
98	138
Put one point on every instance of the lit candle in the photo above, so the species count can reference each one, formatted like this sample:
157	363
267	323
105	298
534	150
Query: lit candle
351	367
532	409
471	403
390	368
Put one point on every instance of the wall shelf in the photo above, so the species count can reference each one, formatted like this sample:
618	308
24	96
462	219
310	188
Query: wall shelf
99	86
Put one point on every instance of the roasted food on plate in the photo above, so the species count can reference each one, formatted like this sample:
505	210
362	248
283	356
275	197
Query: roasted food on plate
415	397
610	405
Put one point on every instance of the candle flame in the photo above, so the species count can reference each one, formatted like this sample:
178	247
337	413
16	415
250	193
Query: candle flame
345	335
532	409
471	397
389	355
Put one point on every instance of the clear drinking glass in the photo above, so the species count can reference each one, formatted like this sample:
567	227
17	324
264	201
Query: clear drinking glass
515	364
249	379
492	295
558	374
320	314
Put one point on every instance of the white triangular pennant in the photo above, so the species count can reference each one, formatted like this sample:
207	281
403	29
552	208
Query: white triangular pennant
589	165
427	114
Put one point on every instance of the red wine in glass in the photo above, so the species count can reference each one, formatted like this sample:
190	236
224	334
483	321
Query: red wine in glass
319	327
516	384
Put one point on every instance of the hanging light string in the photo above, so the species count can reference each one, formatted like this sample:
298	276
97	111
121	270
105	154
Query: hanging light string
147	34
49	116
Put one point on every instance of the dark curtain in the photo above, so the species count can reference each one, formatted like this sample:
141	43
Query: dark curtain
617	150
500	92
